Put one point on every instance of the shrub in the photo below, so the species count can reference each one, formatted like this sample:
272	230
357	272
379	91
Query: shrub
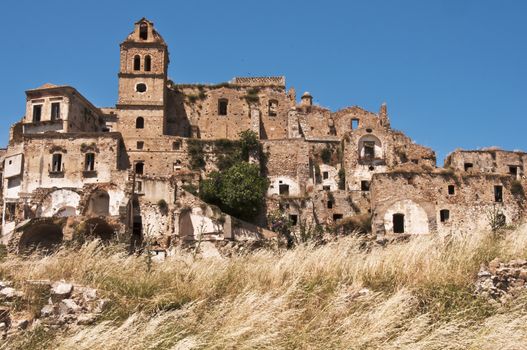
342	179
163	206
196	154
325	155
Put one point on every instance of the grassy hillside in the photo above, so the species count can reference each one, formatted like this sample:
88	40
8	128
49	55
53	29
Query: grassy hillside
410	295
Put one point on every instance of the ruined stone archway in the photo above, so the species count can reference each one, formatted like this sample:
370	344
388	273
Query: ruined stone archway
45	236
59	203
99	203
370	147
98	228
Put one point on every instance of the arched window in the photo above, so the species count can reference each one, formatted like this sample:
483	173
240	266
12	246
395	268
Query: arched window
370	148
143	31
140	123
148	63
273	108
137	62
222	106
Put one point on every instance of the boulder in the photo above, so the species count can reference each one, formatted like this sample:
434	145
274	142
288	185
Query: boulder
61	290
47	311
9	293
68	307
86	319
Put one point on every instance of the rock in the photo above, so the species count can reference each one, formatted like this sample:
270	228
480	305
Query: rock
86	319
3	326
523	275
518	263
484	274
89	294
47	311
4	284
61	290
10	293
21	324
68	306
493	265
102	305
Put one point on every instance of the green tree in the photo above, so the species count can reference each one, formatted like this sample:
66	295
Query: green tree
249	144
239	191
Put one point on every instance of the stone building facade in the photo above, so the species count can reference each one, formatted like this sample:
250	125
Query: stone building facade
69	162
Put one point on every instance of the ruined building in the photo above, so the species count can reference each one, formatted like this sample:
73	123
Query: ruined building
125	170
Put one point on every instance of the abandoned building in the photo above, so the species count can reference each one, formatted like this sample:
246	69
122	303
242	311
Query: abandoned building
123	171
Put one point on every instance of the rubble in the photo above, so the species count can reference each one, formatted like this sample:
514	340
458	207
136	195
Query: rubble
500	281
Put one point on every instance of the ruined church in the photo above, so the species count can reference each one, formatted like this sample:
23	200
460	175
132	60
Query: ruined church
132	170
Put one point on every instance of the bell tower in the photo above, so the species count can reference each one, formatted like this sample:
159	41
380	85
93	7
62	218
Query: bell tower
142	82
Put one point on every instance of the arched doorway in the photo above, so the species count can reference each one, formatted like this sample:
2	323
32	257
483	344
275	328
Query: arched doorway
99	203
44	236
398	223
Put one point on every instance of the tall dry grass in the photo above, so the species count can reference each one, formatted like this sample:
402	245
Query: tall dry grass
412	295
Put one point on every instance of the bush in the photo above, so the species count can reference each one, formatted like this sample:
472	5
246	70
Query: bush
196	154
325	155
163	206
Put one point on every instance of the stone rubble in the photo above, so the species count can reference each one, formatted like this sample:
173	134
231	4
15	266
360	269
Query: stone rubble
68	304
502	281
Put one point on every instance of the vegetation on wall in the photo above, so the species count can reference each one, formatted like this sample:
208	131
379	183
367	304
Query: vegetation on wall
196	154
325	155
342	179
252	95
239	191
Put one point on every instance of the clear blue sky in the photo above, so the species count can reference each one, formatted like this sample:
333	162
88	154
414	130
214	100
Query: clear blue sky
453	73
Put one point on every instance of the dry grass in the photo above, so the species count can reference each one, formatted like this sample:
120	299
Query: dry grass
419	297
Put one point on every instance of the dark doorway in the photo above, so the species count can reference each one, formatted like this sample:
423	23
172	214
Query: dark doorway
284	190
137	232
398	223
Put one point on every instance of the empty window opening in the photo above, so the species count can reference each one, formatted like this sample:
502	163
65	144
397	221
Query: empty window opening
415	161
498	194
330	204
55	111
501	220
364	185
148	63
398	223
222	106
143	31
371	168
10	211
354	124
137	62
139	186
513	170
273	108
337	217
37	113
451	189
326	188
325	175
140	87
176	145
468	166
140	123
369	149
294	219
444	215
283	190
140	144
56	162
89	162
139	168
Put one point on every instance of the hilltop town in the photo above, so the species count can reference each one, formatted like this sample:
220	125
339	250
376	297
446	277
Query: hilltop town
136	171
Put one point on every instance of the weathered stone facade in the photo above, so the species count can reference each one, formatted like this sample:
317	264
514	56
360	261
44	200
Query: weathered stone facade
132	163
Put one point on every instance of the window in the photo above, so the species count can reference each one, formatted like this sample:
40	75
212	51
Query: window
140	123
294	219
139	186
37	113
444	215
364	185
337	217
468	166
55	111
10	211
513	170
326	188
56	162
498	194
177	165
451	189
143	31
325	175
398	223
140	87
139	168
354	124
137	62
89	162
176	145
369	149
222	106
148	63
330	204
283	190
140	144
273	108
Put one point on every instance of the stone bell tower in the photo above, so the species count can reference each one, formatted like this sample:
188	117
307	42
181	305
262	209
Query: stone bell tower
142	82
